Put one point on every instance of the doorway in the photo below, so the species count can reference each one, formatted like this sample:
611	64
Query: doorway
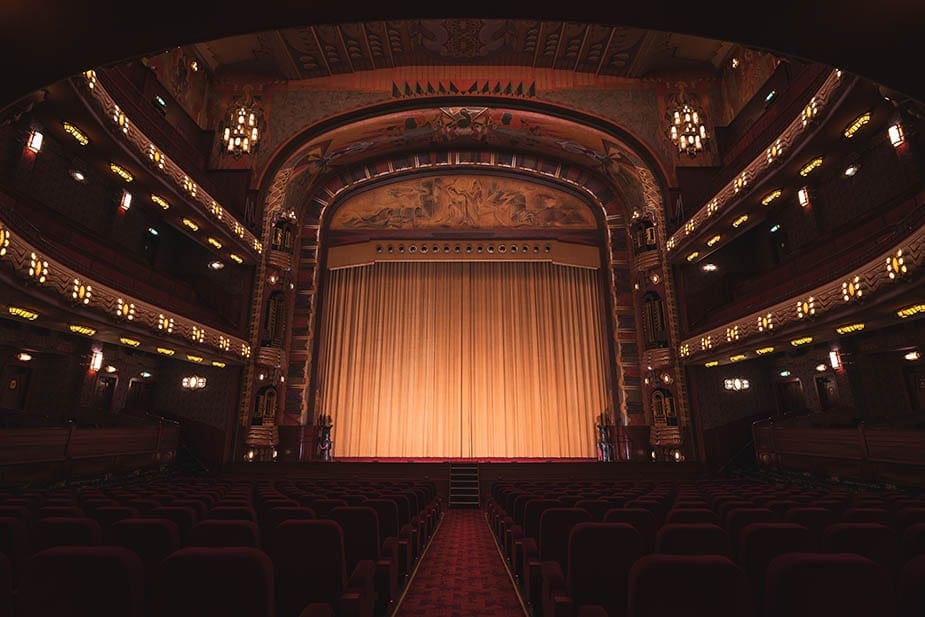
827	390
103	392
15	384
790	396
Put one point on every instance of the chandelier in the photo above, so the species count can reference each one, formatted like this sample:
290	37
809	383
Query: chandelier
687	129
241	131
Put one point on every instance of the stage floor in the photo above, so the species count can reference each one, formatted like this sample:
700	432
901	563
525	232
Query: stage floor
439	459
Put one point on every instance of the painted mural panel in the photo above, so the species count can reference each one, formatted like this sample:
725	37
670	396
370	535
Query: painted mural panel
467	201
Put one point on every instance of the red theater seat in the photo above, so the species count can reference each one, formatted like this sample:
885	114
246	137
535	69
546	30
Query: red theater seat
692	515
663	585
836	584
552	545
643	520
224	532
97	581
215	582
6	587
873	540
693	539
67	531
237	513
910	588
363	542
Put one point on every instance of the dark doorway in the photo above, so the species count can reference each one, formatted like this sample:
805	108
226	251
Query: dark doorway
140	396
827	390
915	381
790	396
102	394
15	384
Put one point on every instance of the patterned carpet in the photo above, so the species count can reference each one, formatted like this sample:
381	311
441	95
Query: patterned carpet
462	574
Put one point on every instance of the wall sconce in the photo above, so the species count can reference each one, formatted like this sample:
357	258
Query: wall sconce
125	202
897	136
803	197
35	140
193	383
23	357
834	359
96	360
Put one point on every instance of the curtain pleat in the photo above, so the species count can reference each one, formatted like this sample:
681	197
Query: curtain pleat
463	359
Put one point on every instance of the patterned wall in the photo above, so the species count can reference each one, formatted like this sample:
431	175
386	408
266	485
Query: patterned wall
212	405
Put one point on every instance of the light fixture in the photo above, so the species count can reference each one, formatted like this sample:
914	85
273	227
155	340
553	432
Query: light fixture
851	169
218	364
76	133
693	256
160	103
801	341
897	136
803	196
125	202
193	382
912	356
711	363
35	140
852	129
770	97
909	311
737	384
22	313
709	267
764	350
767	199
77	175
216	265
834	359
190	224
235	258
822	367
85	330
129	341
160	201
739	221
784	373
775	228
81	292
193	358
110	369
737	358
23	356
152	231
712	241
811	166
214	243
96	360
121	172
165	351
241	130
145	374
686	127
850	328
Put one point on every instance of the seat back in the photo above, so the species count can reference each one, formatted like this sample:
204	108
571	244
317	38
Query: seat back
643	520
663	584
224	533
873	540
361	533
555	526
235	513
762	542
103	581
692	515
693	539
151	539
203	581
599	559
309	564
814	584
67	531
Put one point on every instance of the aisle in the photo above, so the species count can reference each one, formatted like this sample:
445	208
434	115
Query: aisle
462	574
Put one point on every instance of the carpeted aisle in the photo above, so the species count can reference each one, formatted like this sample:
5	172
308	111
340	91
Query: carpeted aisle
462	574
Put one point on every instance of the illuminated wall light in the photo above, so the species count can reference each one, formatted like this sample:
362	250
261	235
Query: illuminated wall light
165	351
193	358
4	240
822	367
706	342
764	350
767	199
909	311
216	210
258	246
22	313
165	323
77	175
712	241
121	172
734	63
125	310
896	265
38	268
897	135
739	221
689	228
711	364
737	357
224	343
111	369
161	103
784	373
81	293
197	334
740	182
801	341
85	330
685	350
125	202
235	258
215	243
190	224
770	96
803	196
160	201
35	140
189	186
809	112
736	384
129	341
811	166
851	170
693	256
912	356
712	207
239	229
90	76
775	228
709	267
218	364
776	149
23	357
732	334
670	244
96	360
120	119
852	129
834	359
765	322
146	375
850	328
193	383
76	133
851	289
216	265
806	308
245	350
156	156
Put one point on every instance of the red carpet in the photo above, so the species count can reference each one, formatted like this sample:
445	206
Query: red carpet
462	574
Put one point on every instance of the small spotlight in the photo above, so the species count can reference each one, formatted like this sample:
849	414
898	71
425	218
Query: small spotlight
152	231
35	140
145	374
897	137
110	369
784	373
216	265
912	356
23	357
822	367
851	169
709	267
775	228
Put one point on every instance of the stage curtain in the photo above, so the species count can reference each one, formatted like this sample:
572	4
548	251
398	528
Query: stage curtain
463	359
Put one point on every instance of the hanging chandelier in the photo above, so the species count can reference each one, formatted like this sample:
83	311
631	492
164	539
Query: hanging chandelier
687	129
241	131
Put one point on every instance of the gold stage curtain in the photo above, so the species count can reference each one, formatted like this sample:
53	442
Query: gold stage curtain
463	359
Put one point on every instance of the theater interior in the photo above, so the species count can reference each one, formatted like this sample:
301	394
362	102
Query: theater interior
609	311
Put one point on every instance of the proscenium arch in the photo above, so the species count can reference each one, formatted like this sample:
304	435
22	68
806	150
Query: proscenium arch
649	178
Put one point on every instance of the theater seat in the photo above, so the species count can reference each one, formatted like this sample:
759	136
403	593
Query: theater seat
97	581
693	539
873	540
67	531
910	588
836	584
224	532
215	582
662	585
6	587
